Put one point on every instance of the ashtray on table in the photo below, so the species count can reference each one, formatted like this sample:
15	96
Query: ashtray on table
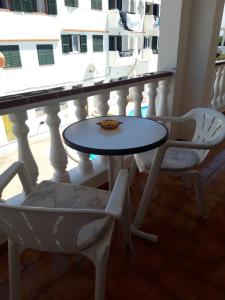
109	124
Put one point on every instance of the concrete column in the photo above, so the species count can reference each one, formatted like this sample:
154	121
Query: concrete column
188	41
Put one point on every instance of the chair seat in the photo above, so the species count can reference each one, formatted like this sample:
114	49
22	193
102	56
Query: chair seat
174	159
50	194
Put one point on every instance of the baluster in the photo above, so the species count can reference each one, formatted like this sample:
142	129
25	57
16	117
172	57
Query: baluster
85	165
219	99
102	108
136	94
216	87
122	101
101	101
163	91
151	94
20	129
58	156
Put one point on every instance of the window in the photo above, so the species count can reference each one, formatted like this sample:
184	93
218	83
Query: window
45	54
148	8
72	3
7	4
12	56
39	6
43	6
147	42
115	43
115	4
96	4
97	43
74	43
155	47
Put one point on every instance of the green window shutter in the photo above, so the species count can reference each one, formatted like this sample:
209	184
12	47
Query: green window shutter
154	42
83	43
45	54
27	6
96	4
52	7
17	5
97	43
12	56
66	43
73	3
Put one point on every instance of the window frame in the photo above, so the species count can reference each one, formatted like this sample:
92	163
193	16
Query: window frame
147	42
6	4
71	3
10	56
82	43
117	42
30	6
100	37
40	55
96	4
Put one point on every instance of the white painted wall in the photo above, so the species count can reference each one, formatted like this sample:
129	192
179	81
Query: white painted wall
72	67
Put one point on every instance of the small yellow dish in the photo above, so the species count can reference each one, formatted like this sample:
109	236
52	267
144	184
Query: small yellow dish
109	124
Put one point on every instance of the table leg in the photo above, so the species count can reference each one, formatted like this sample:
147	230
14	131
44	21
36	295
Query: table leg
111	172
147	196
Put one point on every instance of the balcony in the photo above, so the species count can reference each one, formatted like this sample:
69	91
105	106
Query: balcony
84	170
122	58
187	262
151	25
117	26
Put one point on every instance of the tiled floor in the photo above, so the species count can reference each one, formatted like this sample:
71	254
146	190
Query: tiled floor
188	262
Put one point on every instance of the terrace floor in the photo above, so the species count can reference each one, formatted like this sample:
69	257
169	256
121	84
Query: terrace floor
188	262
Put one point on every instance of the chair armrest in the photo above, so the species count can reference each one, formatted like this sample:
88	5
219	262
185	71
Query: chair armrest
16	168
169	119
118	195
189	144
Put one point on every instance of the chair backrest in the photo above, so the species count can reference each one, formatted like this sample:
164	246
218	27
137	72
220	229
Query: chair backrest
210	128
46	229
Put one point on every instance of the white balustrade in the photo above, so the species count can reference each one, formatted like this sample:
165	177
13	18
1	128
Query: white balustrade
58	156
163	91
218	99
122	100
21	130
101	102
151	93
136	95
81	113
221	88
87	170
216	87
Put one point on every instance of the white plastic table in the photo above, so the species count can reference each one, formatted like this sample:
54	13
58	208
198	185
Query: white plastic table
134	135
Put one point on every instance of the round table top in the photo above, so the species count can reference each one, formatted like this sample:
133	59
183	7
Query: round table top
134	135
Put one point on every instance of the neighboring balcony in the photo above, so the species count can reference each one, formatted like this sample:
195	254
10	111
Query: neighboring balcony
124	23
151	25
122	58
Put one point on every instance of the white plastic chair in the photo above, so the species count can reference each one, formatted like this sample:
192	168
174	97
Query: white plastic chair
180	158
63	218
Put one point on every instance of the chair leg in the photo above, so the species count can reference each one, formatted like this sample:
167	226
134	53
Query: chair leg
100	274
147	194
133	171
14	271
200	194
126	222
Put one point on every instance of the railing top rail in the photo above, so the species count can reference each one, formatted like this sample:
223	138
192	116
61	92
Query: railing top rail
62	93
220	62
